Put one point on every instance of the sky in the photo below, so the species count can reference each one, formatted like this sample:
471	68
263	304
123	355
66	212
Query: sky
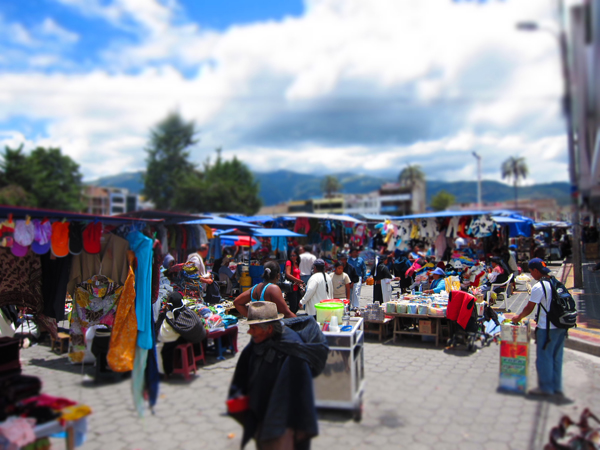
314	86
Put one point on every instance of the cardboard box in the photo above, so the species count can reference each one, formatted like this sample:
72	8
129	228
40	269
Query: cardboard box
513	383
426	326
511	333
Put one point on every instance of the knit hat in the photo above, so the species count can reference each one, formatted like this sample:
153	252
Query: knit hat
42	235
60	239
539	264
75	238
91	237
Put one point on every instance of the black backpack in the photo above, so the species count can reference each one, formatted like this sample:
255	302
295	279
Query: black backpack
563	309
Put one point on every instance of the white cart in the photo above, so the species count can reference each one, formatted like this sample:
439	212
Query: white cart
342	383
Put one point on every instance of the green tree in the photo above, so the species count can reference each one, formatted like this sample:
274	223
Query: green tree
225	186
515	168
442	200
45	178
330	185
411	175
168	165
14	195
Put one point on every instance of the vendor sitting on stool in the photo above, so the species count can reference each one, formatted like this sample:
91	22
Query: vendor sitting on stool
167	335
438	284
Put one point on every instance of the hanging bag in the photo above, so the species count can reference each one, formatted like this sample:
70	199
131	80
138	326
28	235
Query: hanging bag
188	325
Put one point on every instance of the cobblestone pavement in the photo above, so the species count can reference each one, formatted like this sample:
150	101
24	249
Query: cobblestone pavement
417	397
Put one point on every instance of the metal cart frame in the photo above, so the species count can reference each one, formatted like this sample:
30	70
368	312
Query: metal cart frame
341	385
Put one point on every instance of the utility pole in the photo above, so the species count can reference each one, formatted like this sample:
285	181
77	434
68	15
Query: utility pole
567	110
478	157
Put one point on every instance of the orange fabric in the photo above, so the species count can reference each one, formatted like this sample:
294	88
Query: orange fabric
124	333
60	238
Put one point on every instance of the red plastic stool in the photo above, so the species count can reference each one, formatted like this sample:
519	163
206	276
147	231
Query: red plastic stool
199	353
183	360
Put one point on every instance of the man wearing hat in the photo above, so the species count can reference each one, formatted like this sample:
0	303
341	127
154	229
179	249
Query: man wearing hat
319	287
271	393
549	343
438	284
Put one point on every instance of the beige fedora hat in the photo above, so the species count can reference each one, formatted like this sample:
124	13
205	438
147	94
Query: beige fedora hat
262	312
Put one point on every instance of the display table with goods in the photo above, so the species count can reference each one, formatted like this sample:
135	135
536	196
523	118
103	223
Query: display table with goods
27	418
418	315
341	385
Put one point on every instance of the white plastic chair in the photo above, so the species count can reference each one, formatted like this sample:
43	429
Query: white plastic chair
504	291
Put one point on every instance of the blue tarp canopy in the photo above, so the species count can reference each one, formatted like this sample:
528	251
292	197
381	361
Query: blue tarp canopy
220	222
253	219
262	232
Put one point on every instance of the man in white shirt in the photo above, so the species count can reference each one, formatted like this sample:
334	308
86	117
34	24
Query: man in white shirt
307	259
319	287
550	343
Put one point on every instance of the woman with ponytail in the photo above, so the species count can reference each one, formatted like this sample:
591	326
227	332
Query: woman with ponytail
267	291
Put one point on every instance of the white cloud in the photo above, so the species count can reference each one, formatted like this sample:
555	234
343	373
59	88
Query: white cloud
350	85
49	28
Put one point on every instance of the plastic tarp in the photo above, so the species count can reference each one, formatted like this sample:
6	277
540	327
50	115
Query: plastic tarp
441	214
339	217
262	232
220	222
21	213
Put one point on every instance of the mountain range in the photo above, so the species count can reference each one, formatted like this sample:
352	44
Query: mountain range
284	185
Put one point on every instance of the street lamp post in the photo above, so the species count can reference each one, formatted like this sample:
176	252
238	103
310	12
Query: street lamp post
567	111
478	157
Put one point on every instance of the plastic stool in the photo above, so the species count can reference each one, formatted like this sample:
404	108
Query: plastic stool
183	360
199	353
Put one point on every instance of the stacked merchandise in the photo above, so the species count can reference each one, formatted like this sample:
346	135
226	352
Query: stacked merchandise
514	357
28	418
374	312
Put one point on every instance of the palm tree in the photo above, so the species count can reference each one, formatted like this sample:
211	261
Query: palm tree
515	168
331	185
411	175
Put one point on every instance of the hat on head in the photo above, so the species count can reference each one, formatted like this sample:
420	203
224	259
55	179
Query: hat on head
262	312
539	264
41	240
342	255
175	299
60	239
512	247
438	271
319	262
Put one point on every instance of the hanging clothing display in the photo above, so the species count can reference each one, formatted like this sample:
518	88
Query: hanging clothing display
452	229
21	281
111	261
482	226
124	333
55	276
142	246
94	303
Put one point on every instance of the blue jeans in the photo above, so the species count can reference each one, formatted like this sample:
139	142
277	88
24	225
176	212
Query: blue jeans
305	278
549	361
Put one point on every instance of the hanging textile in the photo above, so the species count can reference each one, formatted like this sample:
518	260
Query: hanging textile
55	276
137	379
152	375
95	303
142	246
111	261
21	281
124	333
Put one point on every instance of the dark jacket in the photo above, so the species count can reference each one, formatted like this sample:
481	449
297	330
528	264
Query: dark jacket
277	375
351	271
